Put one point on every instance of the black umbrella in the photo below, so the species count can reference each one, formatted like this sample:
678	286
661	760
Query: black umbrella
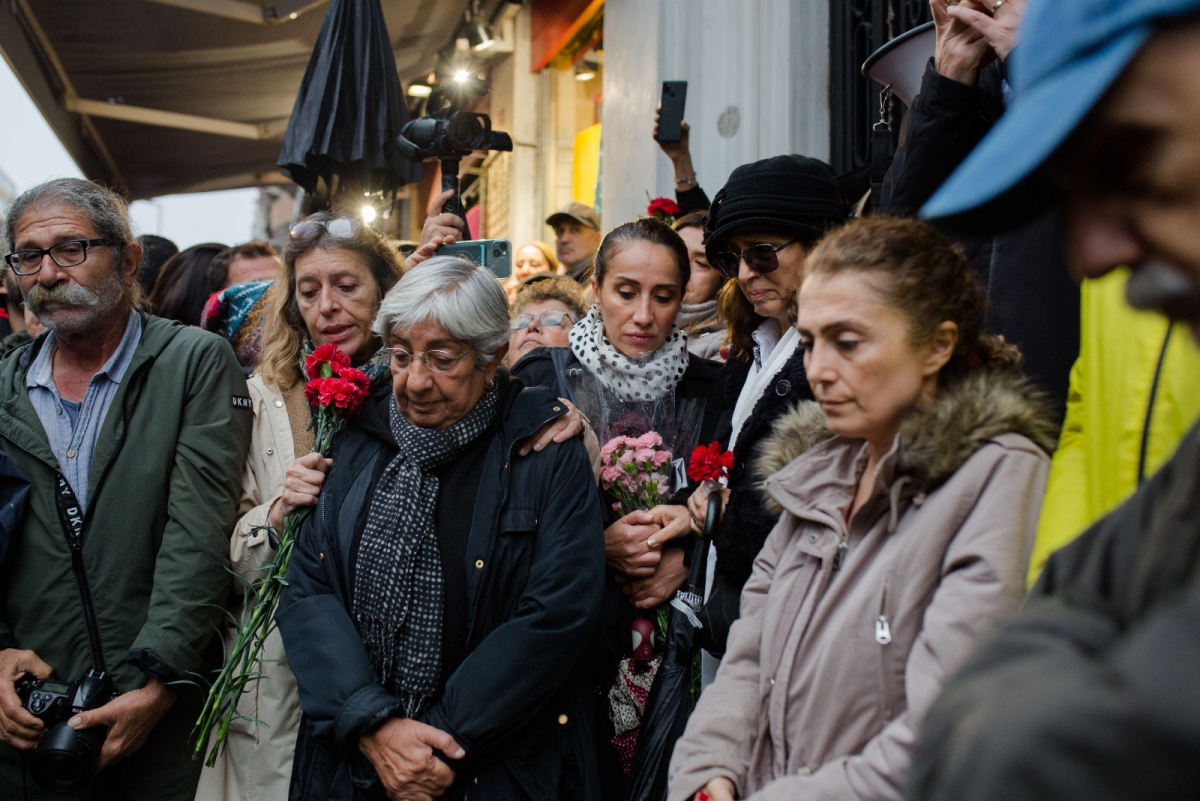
668	706
350	107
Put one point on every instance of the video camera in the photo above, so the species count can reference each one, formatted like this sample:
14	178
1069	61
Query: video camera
447	133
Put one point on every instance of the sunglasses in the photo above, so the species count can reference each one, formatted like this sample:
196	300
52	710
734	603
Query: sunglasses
545	319
761	259
341	227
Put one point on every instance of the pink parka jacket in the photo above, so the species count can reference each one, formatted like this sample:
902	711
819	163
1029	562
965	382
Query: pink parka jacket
846	634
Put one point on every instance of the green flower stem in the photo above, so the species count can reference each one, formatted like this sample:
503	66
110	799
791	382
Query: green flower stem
258	621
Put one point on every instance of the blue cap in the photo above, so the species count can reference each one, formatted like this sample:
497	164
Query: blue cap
1070	52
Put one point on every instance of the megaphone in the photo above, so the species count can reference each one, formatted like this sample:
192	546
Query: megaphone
901	62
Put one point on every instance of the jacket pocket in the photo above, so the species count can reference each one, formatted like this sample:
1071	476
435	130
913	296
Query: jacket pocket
512	558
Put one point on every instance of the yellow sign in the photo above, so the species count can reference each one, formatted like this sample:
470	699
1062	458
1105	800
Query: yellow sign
586	172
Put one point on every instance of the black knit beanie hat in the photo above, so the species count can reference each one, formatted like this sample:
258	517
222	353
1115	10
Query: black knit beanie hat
790	195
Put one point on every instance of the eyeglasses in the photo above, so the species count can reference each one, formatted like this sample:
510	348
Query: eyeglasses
71	253
439	361
341	227
761	259
545	319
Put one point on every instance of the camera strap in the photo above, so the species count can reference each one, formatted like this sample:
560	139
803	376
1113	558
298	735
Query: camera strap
70	514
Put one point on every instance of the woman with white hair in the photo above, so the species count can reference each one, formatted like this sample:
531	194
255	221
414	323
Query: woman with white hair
433	630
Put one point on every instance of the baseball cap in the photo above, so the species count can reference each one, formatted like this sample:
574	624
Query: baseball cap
578	212
1069	53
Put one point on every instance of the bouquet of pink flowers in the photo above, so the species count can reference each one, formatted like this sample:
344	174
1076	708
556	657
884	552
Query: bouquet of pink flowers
636	470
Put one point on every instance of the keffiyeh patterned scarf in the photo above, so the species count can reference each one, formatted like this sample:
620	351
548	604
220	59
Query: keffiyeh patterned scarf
629	379
237	313
398	579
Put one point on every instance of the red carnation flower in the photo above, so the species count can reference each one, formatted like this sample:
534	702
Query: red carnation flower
709	463
663	208
356	377
336	391
325	361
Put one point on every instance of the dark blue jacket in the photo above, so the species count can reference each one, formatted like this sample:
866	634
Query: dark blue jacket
518	704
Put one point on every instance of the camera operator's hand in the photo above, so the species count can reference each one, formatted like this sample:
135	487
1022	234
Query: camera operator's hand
130	718
680	155
402	752
301	486
999	27
625	548
959	51
442	223
18	728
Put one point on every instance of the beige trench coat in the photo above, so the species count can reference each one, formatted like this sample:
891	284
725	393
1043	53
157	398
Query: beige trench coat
257	762
847	633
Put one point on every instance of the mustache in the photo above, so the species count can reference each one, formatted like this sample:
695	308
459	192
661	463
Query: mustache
63	294
1162	286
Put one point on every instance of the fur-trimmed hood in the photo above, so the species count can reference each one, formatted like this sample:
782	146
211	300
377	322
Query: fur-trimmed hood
933	443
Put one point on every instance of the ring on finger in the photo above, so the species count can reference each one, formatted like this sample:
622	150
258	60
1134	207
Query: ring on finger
996	5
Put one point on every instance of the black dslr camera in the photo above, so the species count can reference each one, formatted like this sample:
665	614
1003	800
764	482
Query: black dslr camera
65	759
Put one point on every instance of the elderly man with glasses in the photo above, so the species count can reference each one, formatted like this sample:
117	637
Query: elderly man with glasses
132	431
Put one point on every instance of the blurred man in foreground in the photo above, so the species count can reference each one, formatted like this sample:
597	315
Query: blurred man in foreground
1091	691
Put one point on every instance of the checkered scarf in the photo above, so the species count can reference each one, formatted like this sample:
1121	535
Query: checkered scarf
398	580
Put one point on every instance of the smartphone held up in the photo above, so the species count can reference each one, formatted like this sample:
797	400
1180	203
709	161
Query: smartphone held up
670	111
494	254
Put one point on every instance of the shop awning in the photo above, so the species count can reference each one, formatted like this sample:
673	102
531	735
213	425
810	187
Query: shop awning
166	96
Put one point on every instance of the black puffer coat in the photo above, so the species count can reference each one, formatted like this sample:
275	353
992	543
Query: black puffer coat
517	704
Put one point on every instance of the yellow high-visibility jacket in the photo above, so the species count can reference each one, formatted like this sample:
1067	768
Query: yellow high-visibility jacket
1134	393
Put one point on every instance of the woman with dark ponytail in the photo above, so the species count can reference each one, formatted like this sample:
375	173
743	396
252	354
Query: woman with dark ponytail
908	496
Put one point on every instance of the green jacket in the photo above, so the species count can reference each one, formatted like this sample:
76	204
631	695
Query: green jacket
165	481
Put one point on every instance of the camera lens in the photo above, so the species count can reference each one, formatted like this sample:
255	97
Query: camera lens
497	252
66	759
466	132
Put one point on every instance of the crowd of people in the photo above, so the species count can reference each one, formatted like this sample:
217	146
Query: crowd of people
953	550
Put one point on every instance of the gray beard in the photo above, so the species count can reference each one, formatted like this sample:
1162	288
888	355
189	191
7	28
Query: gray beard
1158	285
73	308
